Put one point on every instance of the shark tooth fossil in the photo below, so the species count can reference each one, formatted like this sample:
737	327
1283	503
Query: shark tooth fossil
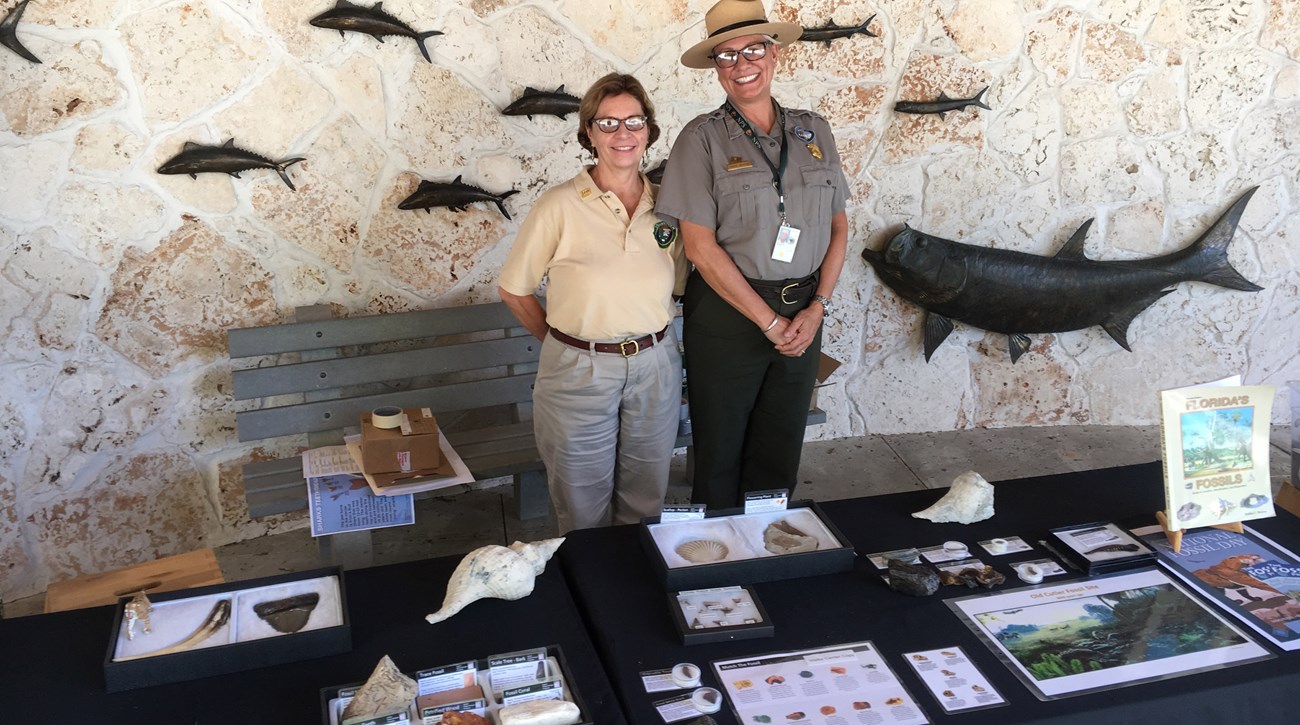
288	615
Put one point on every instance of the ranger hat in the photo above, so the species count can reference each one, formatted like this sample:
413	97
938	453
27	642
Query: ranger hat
732	19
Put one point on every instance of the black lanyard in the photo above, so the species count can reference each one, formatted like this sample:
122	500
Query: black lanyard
777	172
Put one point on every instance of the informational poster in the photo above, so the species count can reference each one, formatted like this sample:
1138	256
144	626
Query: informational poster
1215	442
827	686
1246	574
344	502
1103	633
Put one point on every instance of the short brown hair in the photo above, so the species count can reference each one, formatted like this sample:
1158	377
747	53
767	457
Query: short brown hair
614	84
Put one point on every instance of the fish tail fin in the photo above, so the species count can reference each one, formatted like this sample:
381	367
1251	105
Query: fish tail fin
979	99
281	166
500	205
1213	245
421	37
862	27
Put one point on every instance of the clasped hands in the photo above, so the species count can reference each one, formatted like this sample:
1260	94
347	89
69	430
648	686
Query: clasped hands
792	337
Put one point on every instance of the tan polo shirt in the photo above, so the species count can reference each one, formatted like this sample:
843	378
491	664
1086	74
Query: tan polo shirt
608	279
716	178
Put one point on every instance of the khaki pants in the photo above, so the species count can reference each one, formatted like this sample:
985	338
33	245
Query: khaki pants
605	427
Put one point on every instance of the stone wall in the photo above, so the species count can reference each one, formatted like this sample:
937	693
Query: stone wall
116	283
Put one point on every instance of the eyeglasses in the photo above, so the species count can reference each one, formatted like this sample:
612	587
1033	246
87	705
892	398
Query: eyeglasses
610	125
728	58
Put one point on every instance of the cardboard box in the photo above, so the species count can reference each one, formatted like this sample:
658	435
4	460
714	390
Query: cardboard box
412	447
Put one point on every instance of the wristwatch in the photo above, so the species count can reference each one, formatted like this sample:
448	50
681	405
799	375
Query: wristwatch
826	303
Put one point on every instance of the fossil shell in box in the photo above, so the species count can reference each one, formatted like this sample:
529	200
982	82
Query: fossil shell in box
781	537
702	551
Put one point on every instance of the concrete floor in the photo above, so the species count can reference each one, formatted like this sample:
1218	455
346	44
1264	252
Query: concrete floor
843	468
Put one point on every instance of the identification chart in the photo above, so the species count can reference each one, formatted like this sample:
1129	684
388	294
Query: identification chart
847	684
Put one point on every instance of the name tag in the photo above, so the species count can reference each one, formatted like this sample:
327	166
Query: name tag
787	238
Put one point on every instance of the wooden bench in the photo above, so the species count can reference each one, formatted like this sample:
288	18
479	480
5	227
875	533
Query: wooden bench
473	366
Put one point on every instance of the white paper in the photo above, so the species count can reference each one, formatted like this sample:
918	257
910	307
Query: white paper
328	461
955	681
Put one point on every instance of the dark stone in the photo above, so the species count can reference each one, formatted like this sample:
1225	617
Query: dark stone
913	579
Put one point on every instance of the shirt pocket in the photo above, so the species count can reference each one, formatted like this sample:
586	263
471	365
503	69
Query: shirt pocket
818	194
739	195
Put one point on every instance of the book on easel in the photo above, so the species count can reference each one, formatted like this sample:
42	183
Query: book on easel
1216	446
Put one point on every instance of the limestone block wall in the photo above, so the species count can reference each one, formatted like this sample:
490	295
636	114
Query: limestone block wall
116	283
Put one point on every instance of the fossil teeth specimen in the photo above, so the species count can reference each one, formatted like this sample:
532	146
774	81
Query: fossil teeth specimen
386	691
495	572
288	615
969	500
216	619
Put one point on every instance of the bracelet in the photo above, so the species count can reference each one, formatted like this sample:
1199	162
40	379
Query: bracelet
771	324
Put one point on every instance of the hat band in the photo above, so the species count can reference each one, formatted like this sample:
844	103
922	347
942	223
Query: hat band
741	24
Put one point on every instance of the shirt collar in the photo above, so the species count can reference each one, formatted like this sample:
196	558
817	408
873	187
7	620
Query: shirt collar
586	186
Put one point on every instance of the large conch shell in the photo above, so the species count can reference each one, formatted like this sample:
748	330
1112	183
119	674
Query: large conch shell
495	572
969	500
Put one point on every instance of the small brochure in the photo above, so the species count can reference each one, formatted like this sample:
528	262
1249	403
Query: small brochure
344	502
1215	441
829	684
954	680
1246	574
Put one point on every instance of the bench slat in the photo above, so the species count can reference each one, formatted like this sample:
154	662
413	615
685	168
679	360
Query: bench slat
331	414
344	331
342	372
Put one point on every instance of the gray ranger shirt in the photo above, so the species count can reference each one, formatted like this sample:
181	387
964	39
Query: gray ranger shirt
715	178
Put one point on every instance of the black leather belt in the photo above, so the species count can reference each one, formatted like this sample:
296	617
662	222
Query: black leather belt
626	348
786	291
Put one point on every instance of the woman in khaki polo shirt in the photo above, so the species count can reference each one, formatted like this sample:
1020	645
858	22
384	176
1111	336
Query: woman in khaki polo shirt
608	392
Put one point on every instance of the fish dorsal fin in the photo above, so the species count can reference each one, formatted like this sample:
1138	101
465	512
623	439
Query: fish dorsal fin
424	184
229	144
379	6
529	91
345	4
457	181
190	146
937	329
560	89
1017	345
943	96
1073	249
1117	324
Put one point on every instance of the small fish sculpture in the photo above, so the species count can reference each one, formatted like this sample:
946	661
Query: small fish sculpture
457	196
829	31
944	105
212	624
495	572
9	32
372	21
656	175
1015	293
556	103
197	159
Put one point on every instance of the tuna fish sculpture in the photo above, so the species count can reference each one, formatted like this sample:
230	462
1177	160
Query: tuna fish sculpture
197	159
456	196
1016	293
944	105
372	21
829	32
9	32
556	103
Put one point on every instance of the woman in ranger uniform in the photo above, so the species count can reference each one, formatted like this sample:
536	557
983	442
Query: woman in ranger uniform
758	194
608	394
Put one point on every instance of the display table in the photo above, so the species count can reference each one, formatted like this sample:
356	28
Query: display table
51	665
629	620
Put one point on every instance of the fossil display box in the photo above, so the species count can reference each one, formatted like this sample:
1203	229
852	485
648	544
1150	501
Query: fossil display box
737	541
249	637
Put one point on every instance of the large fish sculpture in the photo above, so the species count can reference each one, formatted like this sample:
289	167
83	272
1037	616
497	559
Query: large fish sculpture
456	195
944	105
227	158
9	32
1015	293
829	31
372	21
556	103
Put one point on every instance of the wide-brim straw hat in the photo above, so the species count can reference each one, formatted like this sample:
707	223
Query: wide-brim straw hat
733	19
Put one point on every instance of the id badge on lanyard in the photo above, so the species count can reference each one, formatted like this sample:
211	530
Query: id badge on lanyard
787	238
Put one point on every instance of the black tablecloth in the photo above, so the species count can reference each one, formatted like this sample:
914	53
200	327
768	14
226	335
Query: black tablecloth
627	609
50	665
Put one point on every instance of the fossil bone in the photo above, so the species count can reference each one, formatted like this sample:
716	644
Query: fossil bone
969	500
495	572
215	620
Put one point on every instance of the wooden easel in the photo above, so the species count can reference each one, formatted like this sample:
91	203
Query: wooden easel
1176	537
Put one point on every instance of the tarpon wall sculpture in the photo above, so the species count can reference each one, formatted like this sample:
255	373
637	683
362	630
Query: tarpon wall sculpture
1016	293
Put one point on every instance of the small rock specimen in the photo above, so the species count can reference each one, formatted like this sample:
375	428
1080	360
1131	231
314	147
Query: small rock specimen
386	692
970	499
912	579
988	577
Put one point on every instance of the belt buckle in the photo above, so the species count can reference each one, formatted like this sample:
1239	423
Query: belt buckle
636	348
792	285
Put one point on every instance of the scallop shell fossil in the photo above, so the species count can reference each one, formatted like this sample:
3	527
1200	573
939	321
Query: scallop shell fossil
702	551
495	572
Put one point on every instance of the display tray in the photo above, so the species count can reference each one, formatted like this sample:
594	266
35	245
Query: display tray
230	627
727	547
331	707
1099	548
721	614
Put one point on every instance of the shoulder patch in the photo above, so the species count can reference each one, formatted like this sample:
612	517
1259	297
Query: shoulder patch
665	234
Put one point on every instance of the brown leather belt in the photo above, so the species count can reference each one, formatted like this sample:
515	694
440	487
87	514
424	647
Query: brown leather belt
787	291
626	348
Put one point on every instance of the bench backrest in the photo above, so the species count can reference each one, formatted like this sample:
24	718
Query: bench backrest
451	359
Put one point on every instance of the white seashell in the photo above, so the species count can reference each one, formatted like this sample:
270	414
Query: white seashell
540	712
495	572
702	551
969	500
